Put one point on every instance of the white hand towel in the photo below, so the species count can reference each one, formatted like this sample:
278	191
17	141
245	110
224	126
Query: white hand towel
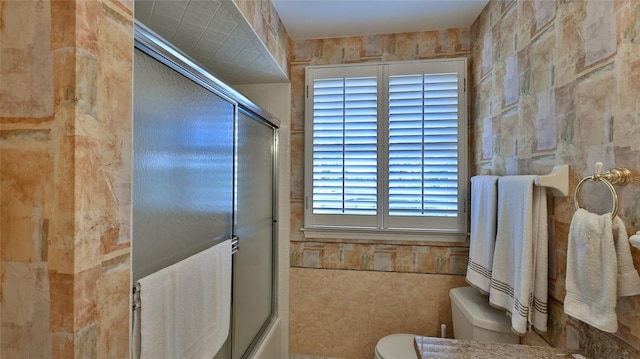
484	212
591	271
628	278
520	262
185	308
599	269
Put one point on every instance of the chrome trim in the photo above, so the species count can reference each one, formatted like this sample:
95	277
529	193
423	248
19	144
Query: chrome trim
135	292
235	244
160	49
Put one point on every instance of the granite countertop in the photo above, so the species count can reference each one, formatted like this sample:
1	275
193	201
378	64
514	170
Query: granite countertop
428	347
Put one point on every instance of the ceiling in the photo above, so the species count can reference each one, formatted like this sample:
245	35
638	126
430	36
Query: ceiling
312	19
214	34
217	36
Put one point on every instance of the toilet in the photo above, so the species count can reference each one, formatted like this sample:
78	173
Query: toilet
473	319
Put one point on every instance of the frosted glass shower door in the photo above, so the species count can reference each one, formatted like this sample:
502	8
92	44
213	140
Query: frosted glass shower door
254	262
183	167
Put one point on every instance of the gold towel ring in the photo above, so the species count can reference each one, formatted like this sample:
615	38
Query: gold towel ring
598	178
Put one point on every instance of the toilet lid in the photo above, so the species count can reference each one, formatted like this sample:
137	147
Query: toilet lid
396	346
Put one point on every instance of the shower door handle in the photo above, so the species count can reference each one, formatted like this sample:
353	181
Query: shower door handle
235	244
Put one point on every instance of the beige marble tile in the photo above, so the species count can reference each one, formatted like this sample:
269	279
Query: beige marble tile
570	45
302	51
26	167
113	309
404	260
25	310
85	342
64	76
487	53
458	263
599	32
295	258
62	345
342	314
297	97
542	51
425	259
401	47
115	111
351	257
96	208
27	61
61	295
312	255
488	129
297	166
354	50
594	108
462	39
626	127
297	220
510	81
383	261
365	256
62	15
428	44
115	67
88	14
326	51
85	297
373	46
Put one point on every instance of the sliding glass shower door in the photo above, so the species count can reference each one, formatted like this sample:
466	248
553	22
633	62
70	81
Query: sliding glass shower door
183	167
254	279
204	172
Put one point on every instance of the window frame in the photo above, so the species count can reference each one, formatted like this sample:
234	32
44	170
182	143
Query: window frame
382	226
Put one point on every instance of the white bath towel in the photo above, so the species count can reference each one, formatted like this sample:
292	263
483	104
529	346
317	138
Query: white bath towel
599	269
520	262
185	308
628	279
484	212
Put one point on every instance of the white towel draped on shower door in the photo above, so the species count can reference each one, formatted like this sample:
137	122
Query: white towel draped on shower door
185	308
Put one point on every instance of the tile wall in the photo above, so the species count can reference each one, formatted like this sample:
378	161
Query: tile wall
557	82
343	313
65	168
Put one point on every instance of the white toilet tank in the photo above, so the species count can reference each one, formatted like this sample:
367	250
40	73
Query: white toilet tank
475	319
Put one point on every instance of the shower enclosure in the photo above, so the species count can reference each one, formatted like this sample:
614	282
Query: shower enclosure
204	172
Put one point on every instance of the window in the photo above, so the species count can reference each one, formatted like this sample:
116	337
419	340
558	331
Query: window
386	150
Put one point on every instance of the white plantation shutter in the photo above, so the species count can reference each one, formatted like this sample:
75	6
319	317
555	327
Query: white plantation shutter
423	145
345	146
386	150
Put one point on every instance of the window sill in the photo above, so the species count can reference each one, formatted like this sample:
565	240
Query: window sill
389	235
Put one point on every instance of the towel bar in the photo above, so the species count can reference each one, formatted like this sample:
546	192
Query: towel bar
619	176
557	180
